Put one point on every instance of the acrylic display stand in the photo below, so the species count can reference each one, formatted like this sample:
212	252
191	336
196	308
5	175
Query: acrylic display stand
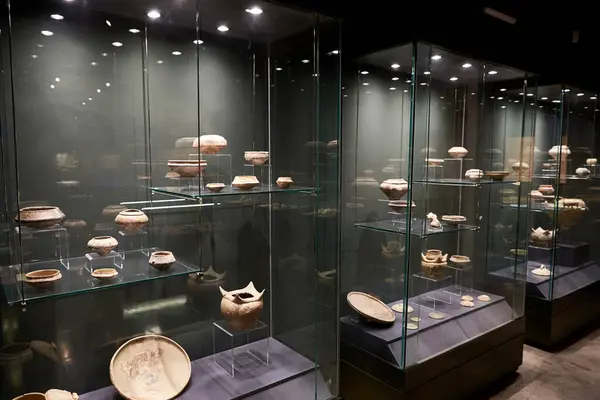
44	244
228	339
260	171
94	261
462	285
131	241
456	167
218	169
434	172
433	296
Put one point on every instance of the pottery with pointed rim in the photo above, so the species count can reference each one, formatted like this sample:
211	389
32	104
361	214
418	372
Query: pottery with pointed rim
215	187
39	217
242	307
284	182
256	157
210	144
245	182
542	237
161	260
131	220
434	263
102	245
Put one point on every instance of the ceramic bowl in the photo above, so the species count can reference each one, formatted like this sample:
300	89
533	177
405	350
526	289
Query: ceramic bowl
187	168
131	220
546	190
284	182
245	182
458	152
453	219
39	217
105	274
256	157
590	162
474	174
458	259
210	144
215	187
161	260
103	245
497	175
582	171
74	224
43	278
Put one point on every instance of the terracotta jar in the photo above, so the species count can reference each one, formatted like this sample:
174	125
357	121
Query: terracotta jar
210	144
103	245
474	174
256	157
546	190
563	150
394	189
284	182
244	182
187	168
131	220
40	217
458	152
242	307
162	260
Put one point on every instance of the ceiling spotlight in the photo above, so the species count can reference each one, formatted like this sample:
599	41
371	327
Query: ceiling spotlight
57	79
395	78
98	90
52	86
593	98
395	66
365	83
516	101
83	103
153	14
39	45
579	94
305	61
567	90
436	57
500	98
89	98
278	69
254	10
493	72
160	62
503	107
544	98
423	83
427	73
556	101
117	44
392	88
108	23
47	33
133	30
34	56
93	63
408	81
529	94
364	72
107	84
222	28
492	97
57	17
503	90
176	53
585	108
198	41
335	52
454	79
405	90
104	54
521	94
467	65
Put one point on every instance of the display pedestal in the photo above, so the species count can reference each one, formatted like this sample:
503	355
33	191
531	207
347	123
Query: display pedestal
129	241
228	354
572	255
94	261
44	244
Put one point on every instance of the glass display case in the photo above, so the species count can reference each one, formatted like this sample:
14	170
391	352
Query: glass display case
170	174
437	177
562	270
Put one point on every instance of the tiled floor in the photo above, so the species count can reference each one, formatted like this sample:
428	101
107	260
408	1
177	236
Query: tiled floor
570	373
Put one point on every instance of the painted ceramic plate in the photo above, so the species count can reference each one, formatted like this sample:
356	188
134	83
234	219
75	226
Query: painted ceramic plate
150	367
371	307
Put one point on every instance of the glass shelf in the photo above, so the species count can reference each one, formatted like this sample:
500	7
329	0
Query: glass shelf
77	279
570	177
419	227
462	182
193	192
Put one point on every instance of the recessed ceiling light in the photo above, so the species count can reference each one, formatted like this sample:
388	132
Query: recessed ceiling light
160	62
176	53
278	69
395	66
108	23
529	94
405	90
365	83
427	73
408	81
198	41
454	79
47	33
98	90
154	14
254	10
585	108
222	28
593	98
567	90
556	101
516	101
39	45
472	94
395	78
436	57
57	17
52	86
442	97
104	54
57	79
89	98
467	65
364	72
503	107
117	44
93	63
423	83
34	56
544	98
83	103
305	61
579	94
133	30
107	84
500	98
335	52
503	90
392	88
521	94
492	97
493	72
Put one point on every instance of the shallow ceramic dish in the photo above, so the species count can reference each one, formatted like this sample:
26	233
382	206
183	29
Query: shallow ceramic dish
161	260
245	182
371	308
31	396
40	217
105	274
284	182
210	144
150	367
187	168
131	220
453	219
256	157
103	245
43	278
74	224
215	187
497	175
112	210
458	259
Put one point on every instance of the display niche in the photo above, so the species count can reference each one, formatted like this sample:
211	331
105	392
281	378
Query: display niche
171	182
562	271
436	177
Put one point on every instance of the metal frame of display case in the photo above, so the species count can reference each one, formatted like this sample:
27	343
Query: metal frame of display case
120	90
564	116
405	107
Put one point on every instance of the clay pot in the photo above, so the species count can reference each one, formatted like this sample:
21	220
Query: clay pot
242	307
546	190
394	189
210	144
131	220
105	274
215	187
245	182
571	203
542	237
256	157
284	182
458	259
39	217
187	168
162	260
433	263
582	171
474	174
563	150
43	278
103	245
457	152
591	162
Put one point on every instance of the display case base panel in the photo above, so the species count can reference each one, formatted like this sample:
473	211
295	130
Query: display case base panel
568	255
433	335
210	382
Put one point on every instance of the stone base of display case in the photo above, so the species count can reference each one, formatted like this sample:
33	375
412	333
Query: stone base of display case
453	374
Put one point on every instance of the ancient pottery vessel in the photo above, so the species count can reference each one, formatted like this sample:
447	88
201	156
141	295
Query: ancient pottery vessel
105	274
103	245
57	394
210	144
457	152
161	260
394	189
434	162
541	271
371	308
453	219
582	171
150	367
497	175
74	224
187	168
256	157
112	210
520	167
542	237
458	259
39	217
245	182
215	187
43	278
284	182
242	307
564	151
131	220
536	196
433	263
365	181
392	249
433	220
546	190
474	174
31	396
400	205
571	203
590	162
